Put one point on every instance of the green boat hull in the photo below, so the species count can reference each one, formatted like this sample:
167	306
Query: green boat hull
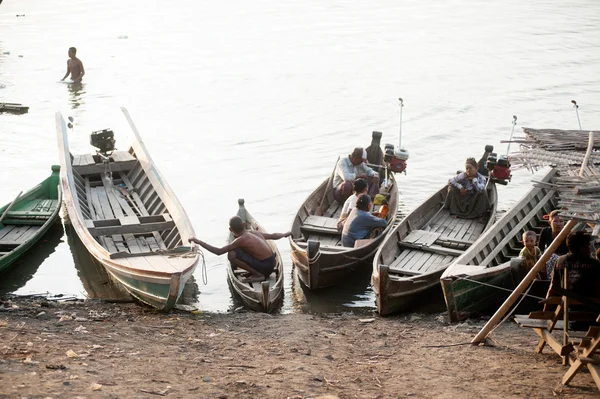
33	213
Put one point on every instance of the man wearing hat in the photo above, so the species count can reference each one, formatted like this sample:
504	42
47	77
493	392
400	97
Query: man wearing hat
351	168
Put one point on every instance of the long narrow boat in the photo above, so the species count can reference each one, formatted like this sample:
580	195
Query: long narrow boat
27	218
317	250
128	217
414	255
262	296
474	281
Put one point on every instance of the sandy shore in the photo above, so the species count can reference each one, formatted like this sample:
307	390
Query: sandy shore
97	350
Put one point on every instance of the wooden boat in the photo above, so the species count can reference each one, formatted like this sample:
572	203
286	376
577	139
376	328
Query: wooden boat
27	218
262	296
317	249
128	217
414	255
13	108
492	261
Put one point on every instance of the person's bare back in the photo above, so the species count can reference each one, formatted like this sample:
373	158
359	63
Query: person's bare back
255	245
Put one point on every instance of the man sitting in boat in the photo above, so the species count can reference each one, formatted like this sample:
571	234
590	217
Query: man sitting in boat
360	222
348	170
360	187
249	251
466	193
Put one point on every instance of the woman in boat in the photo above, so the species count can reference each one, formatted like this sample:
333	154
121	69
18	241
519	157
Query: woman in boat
360	222
548	235
360	187
466	193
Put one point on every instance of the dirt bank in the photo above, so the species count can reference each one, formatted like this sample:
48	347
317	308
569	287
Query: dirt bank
98	350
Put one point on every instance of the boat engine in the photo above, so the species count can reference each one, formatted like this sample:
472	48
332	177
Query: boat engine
104	140
499	167
396	158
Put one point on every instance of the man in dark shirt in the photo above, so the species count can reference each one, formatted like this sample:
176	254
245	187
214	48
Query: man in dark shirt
583	271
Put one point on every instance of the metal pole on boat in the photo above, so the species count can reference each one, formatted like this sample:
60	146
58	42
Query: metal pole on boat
514	123
577	112
400	134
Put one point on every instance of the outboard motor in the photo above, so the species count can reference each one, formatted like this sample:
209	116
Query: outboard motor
104	140
396	158
502	169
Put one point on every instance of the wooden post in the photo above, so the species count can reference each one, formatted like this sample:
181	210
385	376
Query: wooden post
524	283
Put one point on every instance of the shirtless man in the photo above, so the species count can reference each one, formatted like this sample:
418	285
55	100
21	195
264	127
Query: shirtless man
249	251
74	67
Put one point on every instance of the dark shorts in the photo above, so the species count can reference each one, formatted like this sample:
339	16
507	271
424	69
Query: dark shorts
264	267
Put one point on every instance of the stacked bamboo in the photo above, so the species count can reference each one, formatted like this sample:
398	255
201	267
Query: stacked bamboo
579	188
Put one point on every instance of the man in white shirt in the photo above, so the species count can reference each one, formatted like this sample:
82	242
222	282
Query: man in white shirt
348	170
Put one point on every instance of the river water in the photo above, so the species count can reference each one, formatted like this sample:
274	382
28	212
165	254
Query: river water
256	100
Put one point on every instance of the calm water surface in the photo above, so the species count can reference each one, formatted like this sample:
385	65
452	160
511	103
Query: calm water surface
257	100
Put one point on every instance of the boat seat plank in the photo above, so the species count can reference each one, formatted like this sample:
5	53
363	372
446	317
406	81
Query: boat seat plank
332	210
99	168
15	234
109	244
320	221
18	214
399	264
432	248
417	261
122	156
304	245
89	159
96	203
320	230
132	228
142	244
140	206
6	230
422	237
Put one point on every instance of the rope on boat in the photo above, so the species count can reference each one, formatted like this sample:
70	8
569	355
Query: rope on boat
513	309
500	288
186	252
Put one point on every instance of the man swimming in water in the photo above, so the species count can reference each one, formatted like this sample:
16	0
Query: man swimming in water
249	251
74	67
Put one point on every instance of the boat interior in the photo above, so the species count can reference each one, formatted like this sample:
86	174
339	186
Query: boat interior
435	244
323	229
26	217
120	206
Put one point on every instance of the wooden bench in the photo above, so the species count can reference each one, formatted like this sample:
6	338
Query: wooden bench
320	225
576	349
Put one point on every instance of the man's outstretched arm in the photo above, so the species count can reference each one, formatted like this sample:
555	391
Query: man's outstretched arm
215	250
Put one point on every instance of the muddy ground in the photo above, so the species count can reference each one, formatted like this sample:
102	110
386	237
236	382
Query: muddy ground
93	349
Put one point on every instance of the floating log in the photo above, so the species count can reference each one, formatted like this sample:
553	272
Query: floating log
13	108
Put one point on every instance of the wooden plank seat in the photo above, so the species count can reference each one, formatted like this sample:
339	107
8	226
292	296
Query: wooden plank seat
125	225
431	248
546	321
320	225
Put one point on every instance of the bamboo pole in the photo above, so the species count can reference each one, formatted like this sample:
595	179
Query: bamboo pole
10	206
524	283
